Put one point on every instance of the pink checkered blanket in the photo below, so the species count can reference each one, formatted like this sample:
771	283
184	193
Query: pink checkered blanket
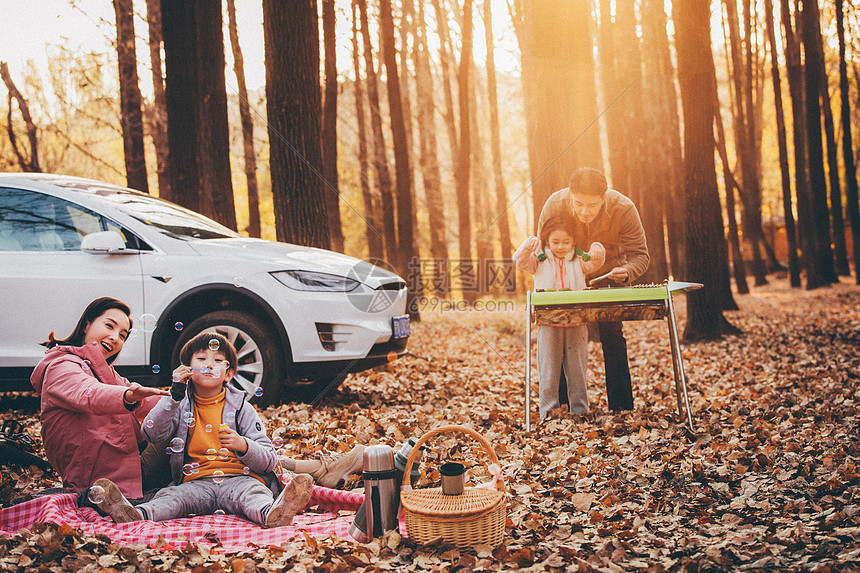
329	512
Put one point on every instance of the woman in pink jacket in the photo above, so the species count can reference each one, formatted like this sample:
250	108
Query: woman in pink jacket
90	414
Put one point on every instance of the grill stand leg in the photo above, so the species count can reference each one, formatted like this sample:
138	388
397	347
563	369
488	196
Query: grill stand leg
678	364
528	356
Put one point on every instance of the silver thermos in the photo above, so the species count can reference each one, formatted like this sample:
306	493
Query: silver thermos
381	493
378	513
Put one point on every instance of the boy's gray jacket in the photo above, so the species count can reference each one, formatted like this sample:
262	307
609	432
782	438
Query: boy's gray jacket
166	421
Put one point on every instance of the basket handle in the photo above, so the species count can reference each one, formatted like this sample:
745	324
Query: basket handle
413	455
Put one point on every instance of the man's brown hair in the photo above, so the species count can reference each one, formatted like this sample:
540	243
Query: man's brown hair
588	181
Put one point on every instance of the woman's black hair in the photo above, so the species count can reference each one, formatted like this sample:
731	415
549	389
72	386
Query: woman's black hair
95	309
203	341
562	221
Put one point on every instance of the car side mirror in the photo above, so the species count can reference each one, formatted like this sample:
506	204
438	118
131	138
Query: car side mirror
104	243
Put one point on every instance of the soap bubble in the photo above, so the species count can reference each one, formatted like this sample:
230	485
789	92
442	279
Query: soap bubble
156	368
238	282
246	470
214	344
177	445
96	495
258	392
88	392
211	454
278	442
207	427
216	372
187	469
218	511
149	423
188	417
223	453
195	467
218	476
148	323
178	326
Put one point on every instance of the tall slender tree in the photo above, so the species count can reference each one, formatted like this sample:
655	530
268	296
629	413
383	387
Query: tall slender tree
705	320
197	108
408	259
744	128
130	100
817	176
380	154
247	120
157	120
329	130
501	195
790	229
851	193
446	65
375	250
794	73
429	159
559	91
468	276
293	110
659	76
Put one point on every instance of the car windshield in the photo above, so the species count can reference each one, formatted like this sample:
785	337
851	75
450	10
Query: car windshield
170	219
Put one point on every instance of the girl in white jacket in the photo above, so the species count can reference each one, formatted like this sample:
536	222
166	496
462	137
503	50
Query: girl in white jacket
557	264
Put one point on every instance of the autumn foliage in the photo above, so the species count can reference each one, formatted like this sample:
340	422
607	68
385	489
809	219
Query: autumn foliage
768	480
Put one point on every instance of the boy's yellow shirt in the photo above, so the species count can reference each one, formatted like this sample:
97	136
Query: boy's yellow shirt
204	446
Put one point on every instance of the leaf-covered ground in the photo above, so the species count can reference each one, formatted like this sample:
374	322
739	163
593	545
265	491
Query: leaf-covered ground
768	481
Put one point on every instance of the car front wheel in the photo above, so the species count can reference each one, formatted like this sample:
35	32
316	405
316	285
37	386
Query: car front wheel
260	371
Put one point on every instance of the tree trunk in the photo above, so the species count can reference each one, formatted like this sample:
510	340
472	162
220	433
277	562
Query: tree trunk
131	115
197	108
375	250
157	118
794	72
180	61
738	265
329	129
250	155
429	160
705	320
851	193
408	258
644	185
817	177
744	118
837	227
468	277
616	134
446	65
790	232
485	237
380	154
27	164
292	57
660	74
501	193
560	96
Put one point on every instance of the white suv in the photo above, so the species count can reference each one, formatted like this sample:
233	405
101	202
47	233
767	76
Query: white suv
296	315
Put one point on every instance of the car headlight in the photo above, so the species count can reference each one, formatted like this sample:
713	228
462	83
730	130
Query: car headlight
315	282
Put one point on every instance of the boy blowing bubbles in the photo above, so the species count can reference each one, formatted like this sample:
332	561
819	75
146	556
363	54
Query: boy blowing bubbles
220	455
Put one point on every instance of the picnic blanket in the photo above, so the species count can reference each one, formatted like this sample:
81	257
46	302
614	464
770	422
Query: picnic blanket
330	511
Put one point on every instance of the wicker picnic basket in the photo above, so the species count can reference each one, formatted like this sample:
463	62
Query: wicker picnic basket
475	517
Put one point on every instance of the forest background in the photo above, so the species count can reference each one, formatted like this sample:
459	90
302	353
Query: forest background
429	134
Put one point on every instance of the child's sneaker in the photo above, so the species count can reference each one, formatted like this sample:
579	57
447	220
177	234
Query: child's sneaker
292	499
335	469
114	503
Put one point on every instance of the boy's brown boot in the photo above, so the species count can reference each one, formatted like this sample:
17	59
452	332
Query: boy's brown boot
114	503
292	499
